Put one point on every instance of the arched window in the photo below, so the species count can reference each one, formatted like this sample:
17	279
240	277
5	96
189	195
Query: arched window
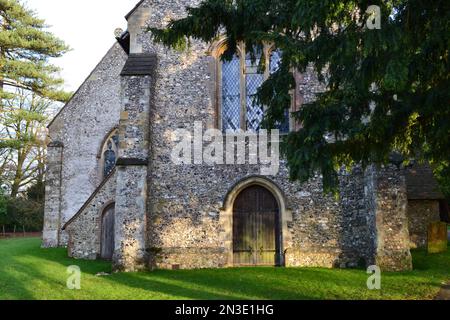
231	94
254	78
108	154
240	80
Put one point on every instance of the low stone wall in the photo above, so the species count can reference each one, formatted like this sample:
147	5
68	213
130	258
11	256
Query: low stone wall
322	257
421	213
189	258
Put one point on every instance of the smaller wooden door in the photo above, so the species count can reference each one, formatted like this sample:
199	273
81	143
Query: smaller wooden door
107	240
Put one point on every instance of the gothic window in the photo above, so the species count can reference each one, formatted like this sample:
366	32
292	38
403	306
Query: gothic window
231	94
254	78
108	155
240	80
110	159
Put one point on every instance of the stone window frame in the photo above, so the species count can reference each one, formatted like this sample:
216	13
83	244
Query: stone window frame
104	146
215	50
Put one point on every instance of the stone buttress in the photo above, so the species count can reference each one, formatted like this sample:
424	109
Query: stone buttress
52	221
132	164
386	201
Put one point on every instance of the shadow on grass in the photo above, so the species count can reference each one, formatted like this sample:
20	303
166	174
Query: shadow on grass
26	262
210	284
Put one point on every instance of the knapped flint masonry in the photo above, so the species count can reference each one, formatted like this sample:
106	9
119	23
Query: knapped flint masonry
196	216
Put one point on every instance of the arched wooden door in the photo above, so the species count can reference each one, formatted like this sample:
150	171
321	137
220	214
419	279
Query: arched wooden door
256	228
107	240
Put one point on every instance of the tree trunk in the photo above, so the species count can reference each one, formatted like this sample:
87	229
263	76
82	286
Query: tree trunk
18	175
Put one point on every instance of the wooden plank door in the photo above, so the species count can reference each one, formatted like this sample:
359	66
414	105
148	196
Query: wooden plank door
255	228
107	237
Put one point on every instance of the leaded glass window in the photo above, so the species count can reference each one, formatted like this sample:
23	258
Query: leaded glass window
231	94
110	160
108	155
254	78
241	78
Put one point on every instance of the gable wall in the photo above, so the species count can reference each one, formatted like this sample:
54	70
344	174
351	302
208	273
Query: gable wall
82	126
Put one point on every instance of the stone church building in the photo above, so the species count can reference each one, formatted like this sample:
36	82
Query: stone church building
113	192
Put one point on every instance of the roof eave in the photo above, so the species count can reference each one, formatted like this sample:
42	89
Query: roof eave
134	9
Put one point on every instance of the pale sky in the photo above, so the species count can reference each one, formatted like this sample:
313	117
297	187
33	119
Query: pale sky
87	26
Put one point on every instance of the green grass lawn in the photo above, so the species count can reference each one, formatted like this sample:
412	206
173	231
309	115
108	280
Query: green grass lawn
28	272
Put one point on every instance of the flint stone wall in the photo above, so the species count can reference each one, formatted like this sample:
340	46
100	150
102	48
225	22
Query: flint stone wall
85	230
184	217
132	174
81	127
52	223
388	201
421	213
183	214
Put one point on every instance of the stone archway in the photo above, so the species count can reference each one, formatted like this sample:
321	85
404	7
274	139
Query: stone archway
284	216
256	228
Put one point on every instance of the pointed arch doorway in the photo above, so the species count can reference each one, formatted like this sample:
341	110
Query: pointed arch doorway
107	233
256	228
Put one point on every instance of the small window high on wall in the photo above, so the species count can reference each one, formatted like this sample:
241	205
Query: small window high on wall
240	78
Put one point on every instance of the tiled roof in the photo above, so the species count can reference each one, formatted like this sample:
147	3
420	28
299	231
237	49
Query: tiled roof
421	183
139	65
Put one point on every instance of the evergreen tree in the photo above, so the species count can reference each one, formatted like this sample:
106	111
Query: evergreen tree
29	84
387	88
25	49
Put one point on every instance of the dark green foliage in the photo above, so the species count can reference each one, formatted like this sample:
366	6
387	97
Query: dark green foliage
387	89
36	192
442	173
3	202
29	87
23	213
25	50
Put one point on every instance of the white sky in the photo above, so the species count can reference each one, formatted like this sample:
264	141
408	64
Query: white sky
87	26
